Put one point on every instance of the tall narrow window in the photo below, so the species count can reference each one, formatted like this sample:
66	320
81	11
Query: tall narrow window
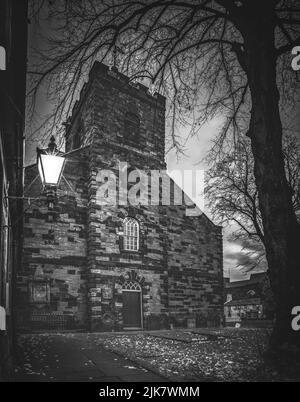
78	135
131	234
132	127
76	140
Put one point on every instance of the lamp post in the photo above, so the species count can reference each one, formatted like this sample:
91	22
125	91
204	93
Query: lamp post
50	164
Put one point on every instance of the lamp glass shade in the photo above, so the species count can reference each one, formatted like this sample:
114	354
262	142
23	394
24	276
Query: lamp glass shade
50	168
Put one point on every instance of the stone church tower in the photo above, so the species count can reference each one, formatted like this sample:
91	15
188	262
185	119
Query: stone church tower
97	265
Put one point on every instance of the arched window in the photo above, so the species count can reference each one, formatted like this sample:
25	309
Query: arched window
131	234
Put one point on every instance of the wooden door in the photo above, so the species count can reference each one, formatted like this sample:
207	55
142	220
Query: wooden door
132	309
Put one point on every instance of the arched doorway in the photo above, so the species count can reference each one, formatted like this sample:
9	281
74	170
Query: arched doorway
132	305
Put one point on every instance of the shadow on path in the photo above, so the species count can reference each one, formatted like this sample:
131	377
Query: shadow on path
73	357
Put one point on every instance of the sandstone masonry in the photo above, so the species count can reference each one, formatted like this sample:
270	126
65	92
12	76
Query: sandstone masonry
77	272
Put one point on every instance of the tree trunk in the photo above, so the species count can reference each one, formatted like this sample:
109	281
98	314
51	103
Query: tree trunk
281	230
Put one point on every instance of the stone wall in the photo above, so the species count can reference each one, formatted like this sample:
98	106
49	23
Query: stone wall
178	267
114	98
195	269
54	251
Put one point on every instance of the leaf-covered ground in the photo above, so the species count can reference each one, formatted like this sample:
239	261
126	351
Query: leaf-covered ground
221	355
177	355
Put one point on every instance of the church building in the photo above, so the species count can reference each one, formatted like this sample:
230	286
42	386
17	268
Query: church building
91	264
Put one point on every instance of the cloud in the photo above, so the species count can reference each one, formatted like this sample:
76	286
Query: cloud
238	261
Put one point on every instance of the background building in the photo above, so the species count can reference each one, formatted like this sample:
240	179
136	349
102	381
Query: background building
248	299
13	42
114	267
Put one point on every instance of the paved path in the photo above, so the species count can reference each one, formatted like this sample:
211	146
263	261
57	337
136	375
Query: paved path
73	357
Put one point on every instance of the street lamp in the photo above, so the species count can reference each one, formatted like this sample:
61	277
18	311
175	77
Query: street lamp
50	163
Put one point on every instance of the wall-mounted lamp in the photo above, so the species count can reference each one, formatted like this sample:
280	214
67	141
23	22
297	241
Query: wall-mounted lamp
50	164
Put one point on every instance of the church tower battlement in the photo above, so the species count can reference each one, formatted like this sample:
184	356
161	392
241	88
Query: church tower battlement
113	111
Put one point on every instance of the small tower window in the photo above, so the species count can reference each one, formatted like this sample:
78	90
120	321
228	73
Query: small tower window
132	127
76	140
78	135
131	234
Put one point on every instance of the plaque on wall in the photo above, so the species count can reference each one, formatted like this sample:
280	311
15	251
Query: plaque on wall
40	292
